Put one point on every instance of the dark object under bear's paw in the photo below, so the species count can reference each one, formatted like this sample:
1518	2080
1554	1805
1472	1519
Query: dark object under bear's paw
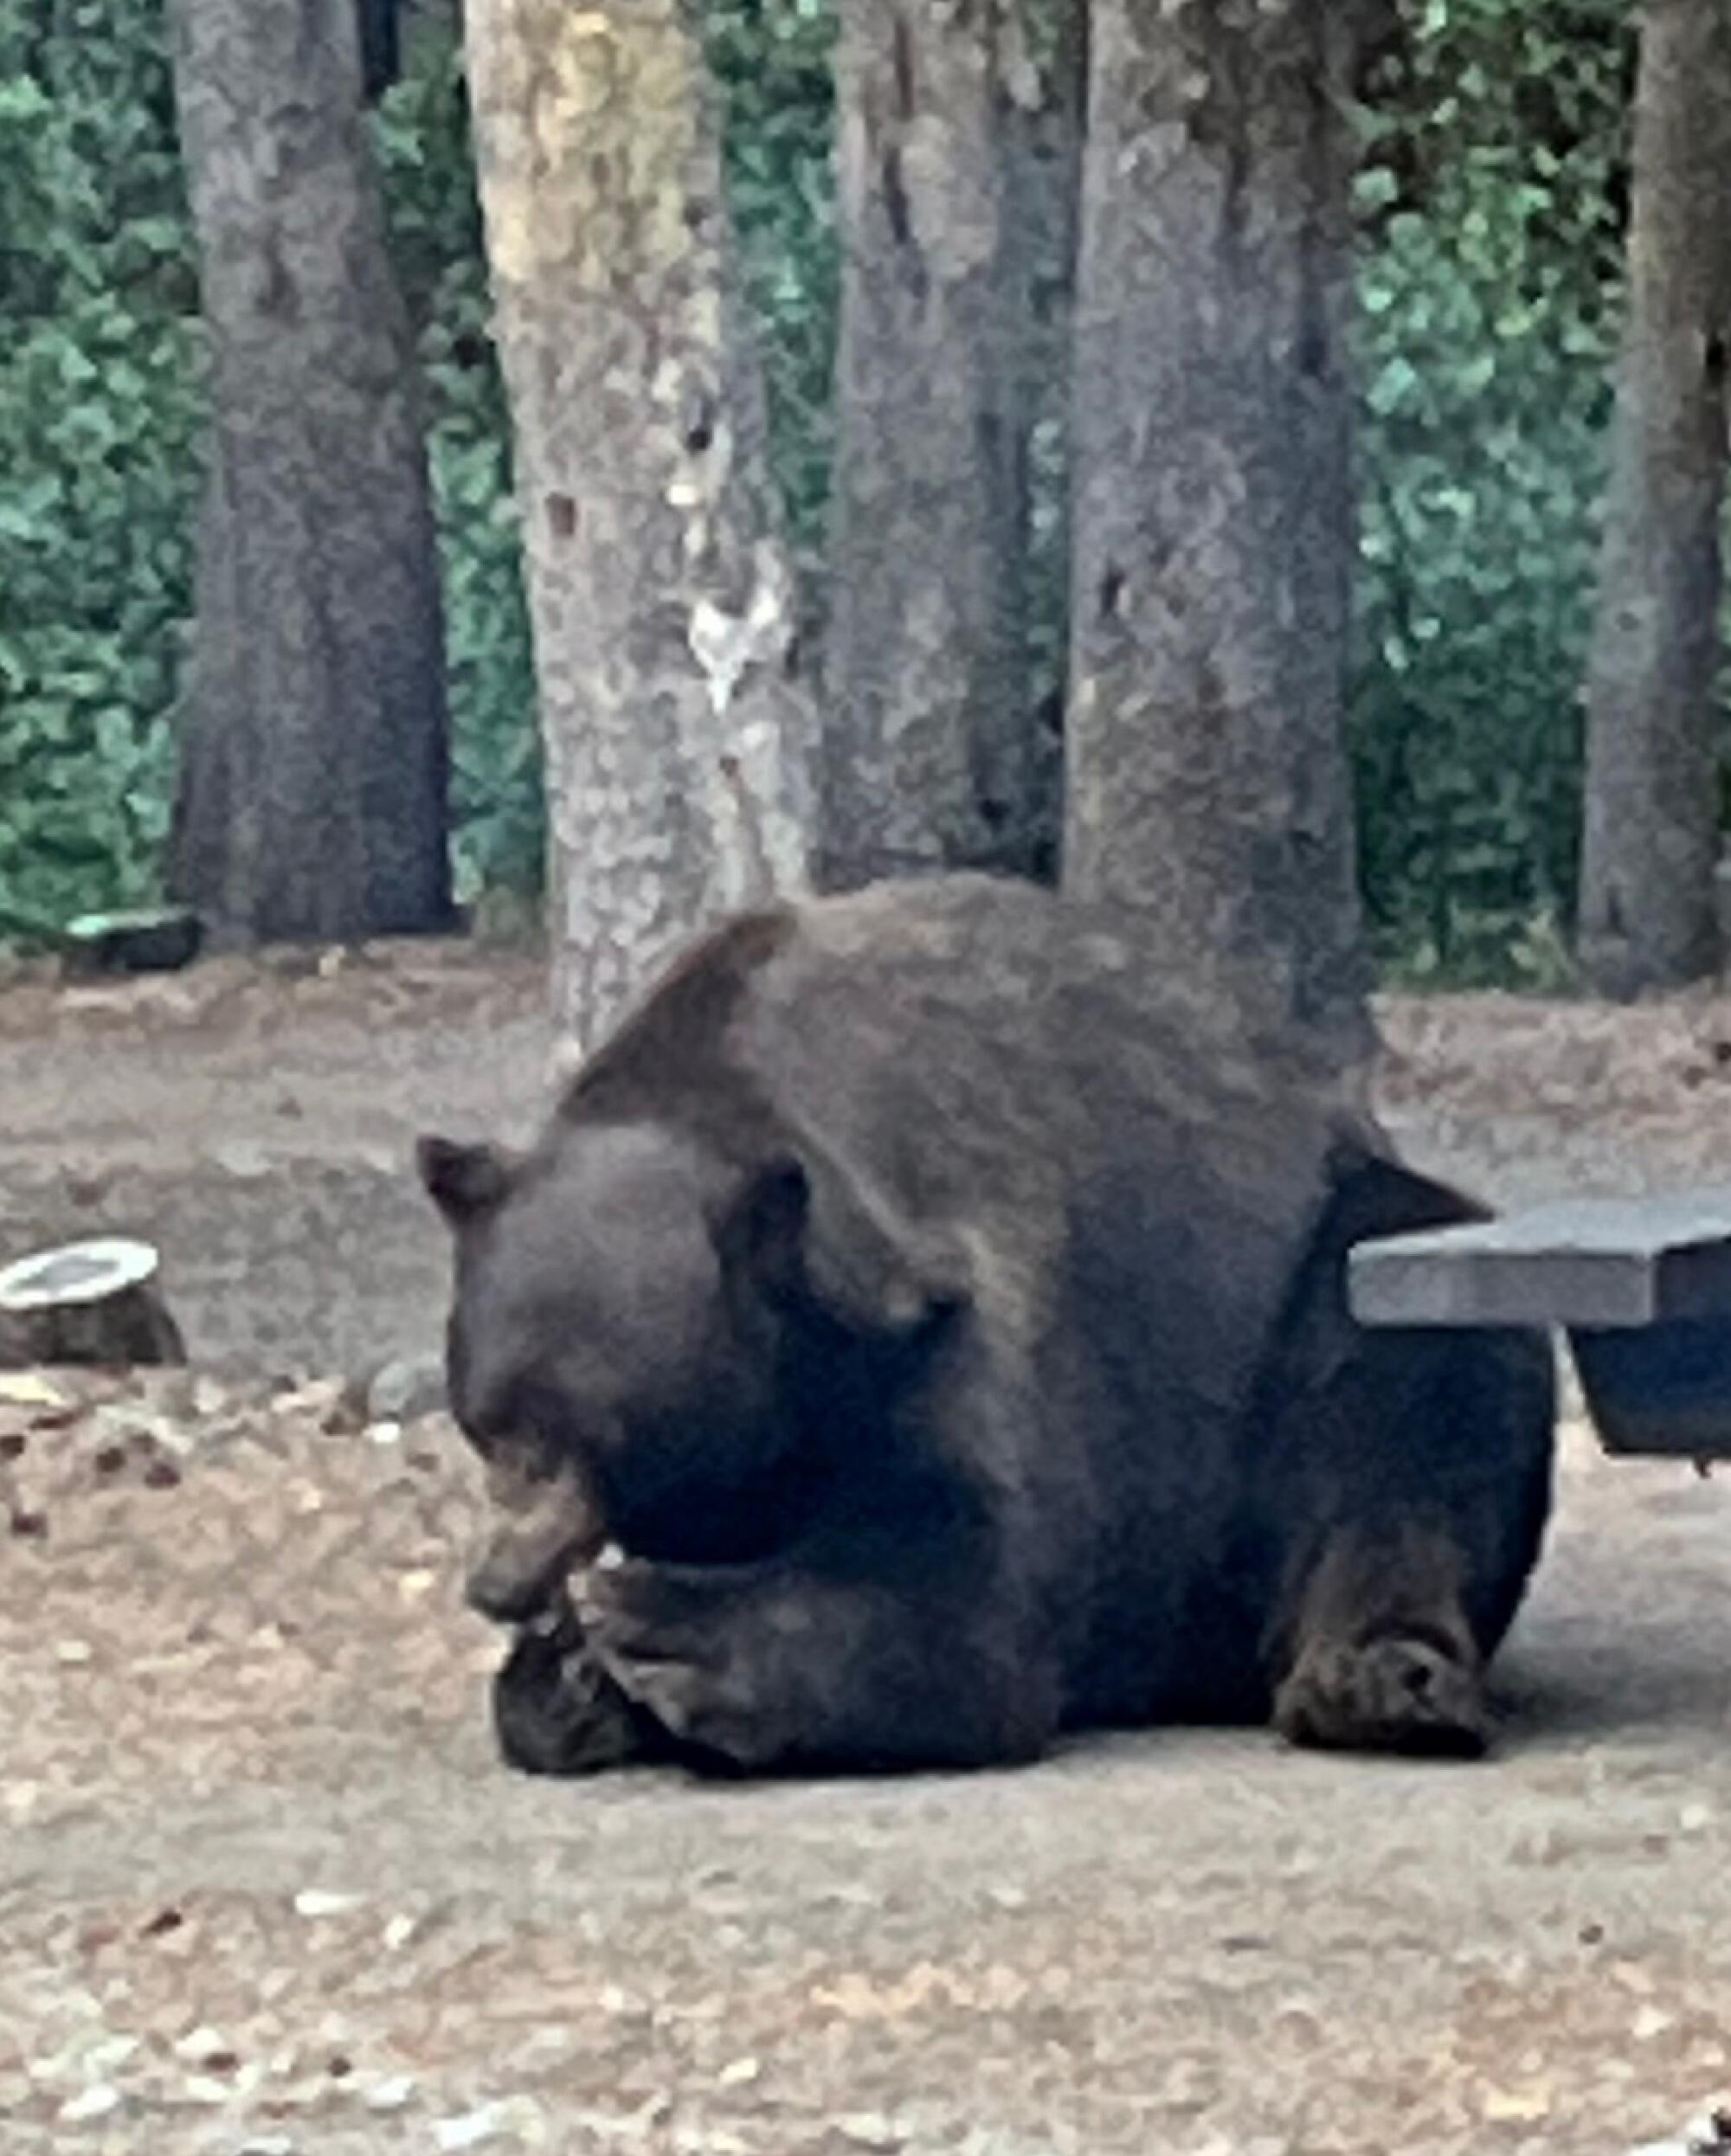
556	1711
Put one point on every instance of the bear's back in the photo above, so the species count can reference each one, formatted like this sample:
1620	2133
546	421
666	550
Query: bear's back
985	1051
984	1043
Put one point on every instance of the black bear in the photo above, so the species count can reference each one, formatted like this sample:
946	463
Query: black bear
919	1332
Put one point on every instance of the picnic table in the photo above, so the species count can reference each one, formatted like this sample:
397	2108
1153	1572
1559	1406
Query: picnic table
1640	1286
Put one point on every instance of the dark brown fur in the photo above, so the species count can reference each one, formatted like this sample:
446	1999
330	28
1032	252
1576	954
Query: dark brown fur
947	1320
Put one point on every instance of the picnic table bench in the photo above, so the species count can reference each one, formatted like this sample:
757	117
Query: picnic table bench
1641	1287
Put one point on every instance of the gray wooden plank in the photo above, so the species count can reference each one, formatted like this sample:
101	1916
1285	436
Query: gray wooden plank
1602	1263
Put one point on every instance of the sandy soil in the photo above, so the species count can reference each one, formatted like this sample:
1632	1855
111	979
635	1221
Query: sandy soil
264	1889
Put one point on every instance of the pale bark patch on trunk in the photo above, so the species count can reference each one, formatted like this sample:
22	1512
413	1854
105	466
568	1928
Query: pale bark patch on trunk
678	729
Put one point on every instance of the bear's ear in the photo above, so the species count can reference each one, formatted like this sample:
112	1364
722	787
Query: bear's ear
464	1182
807	1226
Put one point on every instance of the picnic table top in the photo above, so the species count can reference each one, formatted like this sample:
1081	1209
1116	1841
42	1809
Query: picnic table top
1585	1262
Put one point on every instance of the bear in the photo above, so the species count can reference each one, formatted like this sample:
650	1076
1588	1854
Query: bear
919	1332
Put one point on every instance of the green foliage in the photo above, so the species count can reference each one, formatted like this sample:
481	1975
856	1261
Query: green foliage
98	406
772	59
1492	194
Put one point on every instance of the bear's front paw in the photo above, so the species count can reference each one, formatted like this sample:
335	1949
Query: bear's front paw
1400	1693
671	1637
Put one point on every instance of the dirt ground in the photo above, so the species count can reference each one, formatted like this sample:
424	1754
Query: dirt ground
264	1889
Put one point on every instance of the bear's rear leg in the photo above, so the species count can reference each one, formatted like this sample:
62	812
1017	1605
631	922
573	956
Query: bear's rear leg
1383	1657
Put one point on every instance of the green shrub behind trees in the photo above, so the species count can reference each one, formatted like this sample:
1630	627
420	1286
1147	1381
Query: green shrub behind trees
1492	197
99	414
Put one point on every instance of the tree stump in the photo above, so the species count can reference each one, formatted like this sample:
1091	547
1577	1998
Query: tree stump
94	1304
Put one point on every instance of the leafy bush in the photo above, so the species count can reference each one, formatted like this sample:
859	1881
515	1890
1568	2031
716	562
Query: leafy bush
99	411
1492	194
772	60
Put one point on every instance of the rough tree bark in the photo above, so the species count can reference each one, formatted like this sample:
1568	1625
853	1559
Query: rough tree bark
677	729
957	132
1651	824
313	795
1207	775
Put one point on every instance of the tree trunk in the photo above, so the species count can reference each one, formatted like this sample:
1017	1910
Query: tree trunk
954	118
1207	773
1651	808
677	730
312	788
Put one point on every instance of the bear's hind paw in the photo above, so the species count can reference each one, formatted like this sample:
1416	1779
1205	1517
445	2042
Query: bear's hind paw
1401	1693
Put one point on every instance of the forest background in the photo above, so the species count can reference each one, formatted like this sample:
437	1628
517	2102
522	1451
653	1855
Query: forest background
1490	200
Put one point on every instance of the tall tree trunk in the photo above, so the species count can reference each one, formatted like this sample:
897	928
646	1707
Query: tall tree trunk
677	730
954	120
1651	808
1207	773
313	795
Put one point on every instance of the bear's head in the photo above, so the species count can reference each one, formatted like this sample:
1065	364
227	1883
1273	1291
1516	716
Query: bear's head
629	1303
